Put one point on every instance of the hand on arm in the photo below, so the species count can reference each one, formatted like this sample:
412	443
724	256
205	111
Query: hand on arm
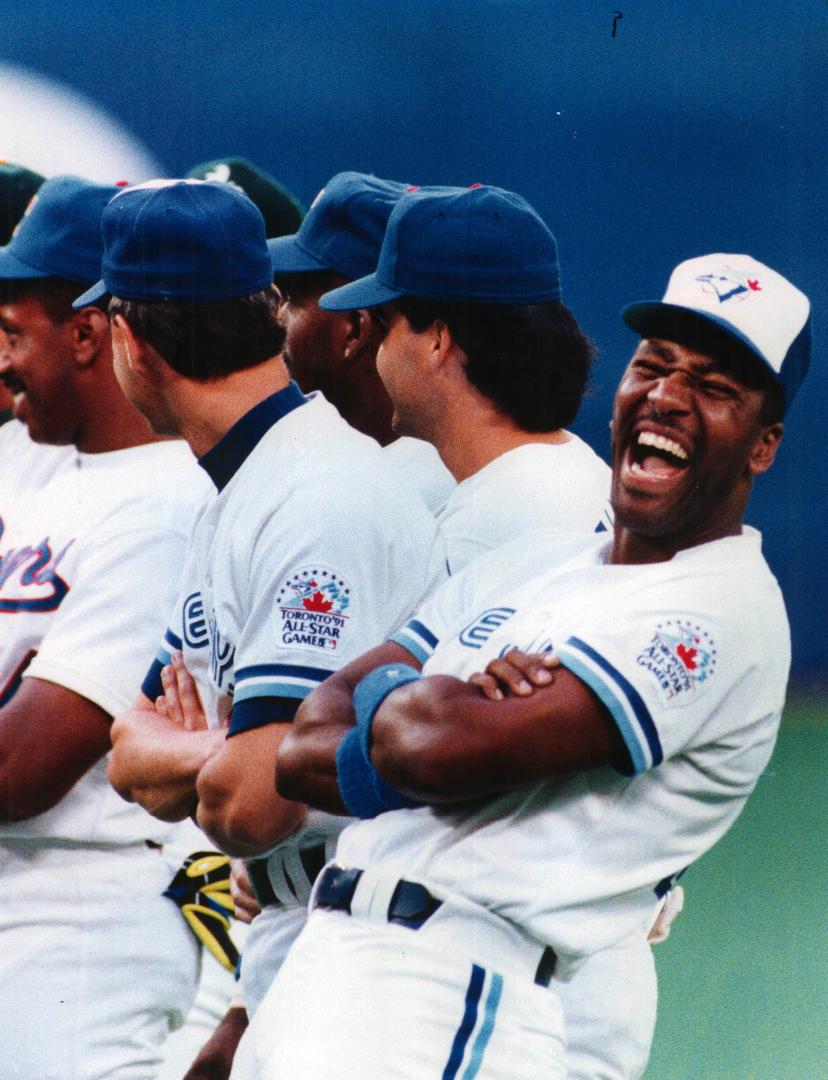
158	749
306	766
444	740
49	737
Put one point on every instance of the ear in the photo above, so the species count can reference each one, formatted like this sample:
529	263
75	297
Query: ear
132	351
90	334
444	350
764	449
362	334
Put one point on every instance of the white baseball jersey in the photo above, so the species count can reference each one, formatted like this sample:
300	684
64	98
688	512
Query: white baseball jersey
690	658
310	553
564	486
422	466
25	464
96	963
88	563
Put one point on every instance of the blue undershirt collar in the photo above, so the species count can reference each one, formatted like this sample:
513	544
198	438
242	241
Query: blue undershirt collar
222	462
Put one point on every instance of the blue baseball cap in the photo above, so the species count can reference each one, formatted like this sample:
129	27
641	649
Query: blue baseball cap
189	240
60	233
343	229
480	243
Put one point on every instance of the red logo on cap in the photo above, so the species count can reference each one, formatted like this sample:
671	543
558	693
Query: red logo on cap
753	285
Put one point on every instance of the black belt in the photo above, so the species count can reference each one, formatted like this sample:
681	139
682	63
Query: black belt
411	905
313	859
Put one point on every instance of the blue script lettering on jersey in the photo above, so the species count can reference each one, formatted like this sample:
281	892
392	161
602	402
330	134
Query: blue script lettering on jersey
475	635
195	624
222	656
29	580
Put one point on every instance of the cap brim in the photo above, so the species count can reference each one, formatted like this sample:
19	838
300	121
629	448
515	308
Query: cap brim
286	257
12	269
366	292
653	318
91	296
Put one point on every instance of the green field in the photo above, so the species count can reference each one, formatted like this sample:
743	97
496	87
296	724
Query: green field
743	978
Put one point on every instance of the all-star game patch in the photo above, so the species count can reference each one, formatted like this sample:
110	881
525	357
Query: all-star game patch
313	606
681	655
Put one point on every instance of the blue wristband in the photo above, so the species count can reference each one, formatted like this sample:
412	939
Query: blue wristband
355	776
370	693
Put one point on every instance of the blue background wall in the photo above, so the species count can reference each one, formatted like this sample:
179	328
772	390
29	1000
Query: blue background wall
695	128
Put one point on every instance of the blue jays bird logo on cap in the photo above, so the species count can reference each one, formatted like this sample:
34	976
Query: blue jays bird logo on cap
729	284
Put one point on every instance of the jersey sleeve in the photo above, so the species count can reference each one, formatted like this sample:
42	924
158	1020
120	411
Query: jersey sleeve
671	674
323	589
109	621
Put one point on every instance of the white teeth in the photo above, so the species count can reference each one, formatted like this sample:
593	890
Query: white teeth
649	438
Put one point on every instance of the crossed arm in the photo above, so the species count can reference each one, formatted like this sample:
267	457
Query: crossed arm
442	740
49	737
165	758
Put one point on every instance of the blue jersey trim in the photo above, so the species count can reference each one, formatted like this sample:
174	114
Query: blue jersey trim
152	686
173	640
290	671
641	711
402	639
484	1034
463	1033
424	632
224	460
259	712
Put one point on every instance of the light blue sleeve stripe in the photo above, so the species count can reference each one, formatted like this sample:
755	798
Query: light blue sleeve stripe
163	656
272	689
486	1028
411	644
615	706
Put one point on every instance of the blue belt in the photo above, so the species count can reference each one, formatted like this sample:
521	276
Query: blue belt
411	905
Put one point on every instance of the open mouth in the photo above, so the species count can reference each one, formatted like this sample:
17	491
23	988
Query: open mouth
656	457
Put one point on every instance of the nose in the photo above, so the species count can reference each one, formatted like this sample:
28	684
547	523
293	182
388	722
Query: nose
670	393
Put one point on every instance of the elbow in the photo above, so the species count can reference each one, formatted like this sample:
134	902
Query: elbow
234	824
119	776
20	803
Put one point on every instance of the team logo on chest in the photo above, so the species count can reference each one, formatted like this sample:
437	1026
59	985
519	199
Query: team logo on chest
681	655
313	607
29	578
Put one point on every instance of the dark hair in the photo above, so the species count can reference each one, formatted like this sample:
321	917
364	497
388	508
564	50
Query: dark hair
300	284
689	330
55	294
207	340
532	360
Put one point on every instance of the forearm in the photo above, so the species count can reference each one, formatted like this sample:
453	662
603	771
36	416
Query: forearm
238	806
440	740
306	763
156	763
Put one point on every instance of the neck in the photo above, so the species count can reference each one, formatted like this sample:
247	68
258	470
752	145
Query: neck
206	411
109	421
362	400
630	548
471	440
